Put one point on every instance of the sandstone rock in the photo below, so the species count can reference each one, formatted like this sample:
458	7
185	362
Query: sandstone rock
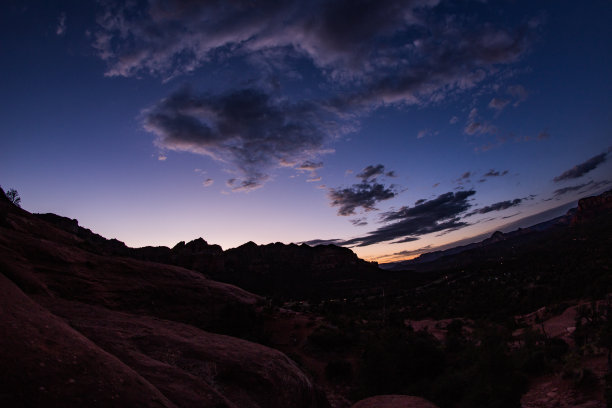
394	401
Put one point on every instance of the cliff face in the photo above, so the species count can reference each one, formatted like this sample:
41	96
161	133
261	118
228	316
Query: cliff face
83	328
591	207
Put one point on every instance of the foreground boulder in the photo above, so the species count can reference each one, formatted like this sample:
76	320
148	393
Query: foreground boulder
394	401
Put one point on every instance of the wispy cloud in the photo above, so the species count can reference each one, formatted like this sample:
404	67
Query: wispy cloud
495	173
498	104
61	25
476	126
583	188
499	206
581	169
520	94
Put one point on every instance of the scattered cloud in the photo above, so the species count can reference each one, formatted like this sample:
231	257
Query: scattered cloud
359	222
476	126
562	191
408	223
585	187
519	93
371	173
426	132
364	195
495	173
310	166
410	253
61	25
162	157
581	169
499	206
498	104
453	120
543	135
247	129
208	182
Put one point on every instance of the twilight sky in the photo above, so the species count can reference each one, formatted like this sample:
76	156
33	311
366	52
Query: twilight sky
392	127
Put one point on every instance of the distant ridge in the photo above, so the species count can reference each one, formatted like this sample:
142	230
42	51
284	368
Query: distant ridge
587	208
280	270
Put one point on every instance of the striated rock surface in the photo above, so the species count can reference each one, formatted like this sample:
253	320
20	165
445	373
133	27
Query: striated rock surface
83	328
394	401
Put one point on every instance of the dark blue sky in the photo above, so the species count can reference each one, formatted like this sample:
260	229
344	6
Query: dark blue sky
387	126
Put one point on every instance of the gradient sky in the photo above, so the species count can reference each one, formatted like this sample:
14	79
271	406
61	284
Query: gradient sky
392	127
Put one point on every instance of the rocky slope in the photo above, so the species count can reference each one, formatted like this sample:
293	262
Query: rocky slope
279	270
83	328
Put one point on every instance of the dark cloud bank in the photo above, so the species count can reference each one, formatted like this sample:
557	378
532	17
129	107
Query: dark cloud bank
248	129
368	54
407	223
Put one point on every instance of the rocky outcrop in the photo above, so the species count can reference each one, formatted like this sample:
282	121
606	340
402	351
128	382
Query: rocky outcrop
83	328
592	207
394	401
295	271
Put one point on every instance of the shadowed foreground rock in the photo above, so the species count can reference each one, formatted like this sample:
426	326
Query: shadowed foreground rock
394	401
78	328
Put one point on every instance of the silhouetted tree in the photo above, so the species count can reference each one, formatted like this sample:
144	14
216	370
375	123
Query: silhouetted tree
13	195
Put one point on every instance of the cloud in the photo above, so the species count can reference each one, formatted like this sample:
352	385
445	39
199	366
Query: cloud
475	126
585	187
495	173
410	253
371	173
498	104
408	223
247	129
175	36
162	157
310	166
565	190
499	206
61	25
519	93
364	195
315	242
387	52
581	169
543	135
359	222
453	120
208	182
